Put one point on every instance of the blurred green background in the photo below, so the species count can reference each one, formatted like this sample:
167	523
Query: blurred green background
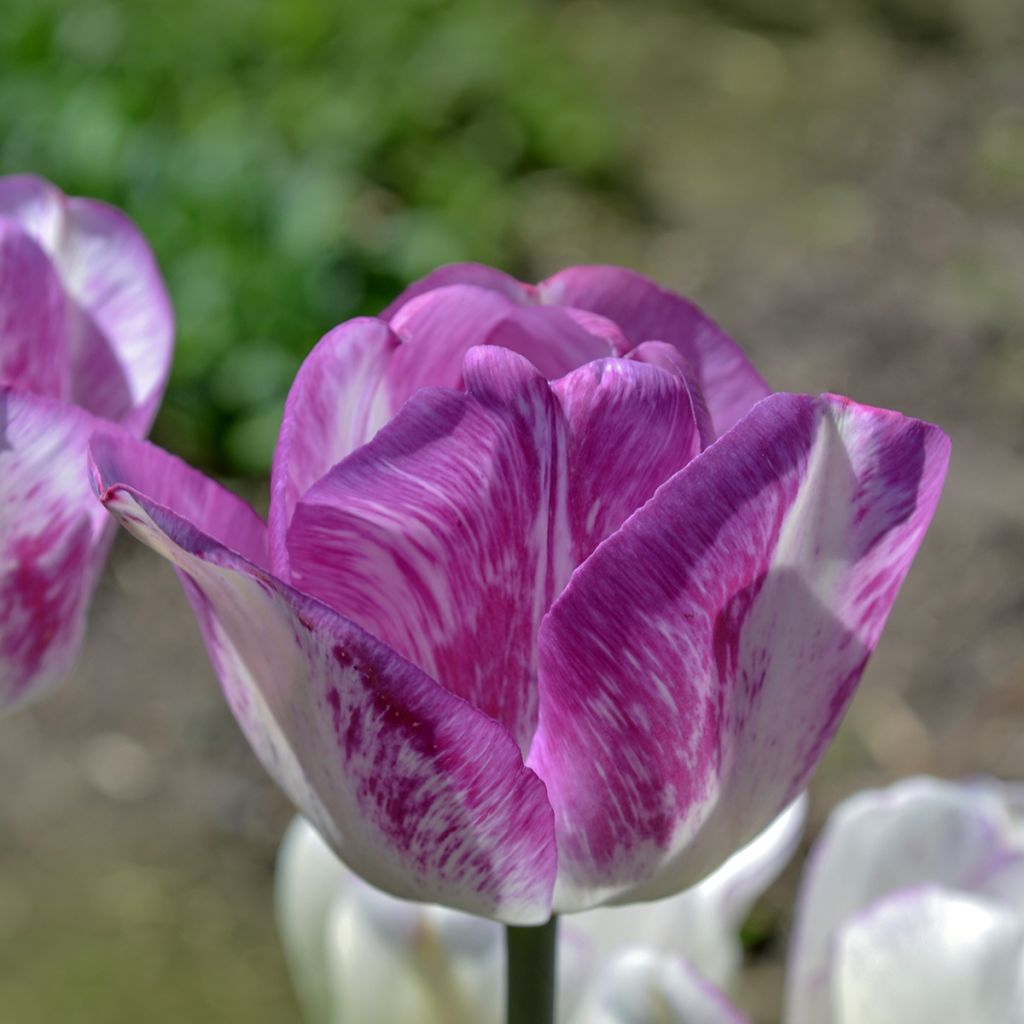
839	182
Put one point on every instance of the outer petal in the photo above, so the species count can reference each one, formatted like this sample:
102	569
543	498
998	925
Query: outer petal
695	668
121	329
416	790
929	955
434	537
646	312
701	924
33	342
643	987
449	535
335	404
476	274
53	537
920	831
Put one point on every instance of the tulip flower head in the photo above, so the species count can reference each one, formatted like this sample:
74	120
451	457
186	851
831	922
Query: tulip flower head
86	334
358	955
557	605
912	909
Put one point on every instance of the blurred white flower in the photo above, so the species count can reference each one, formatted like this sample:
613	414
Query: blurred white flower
358	955
912	909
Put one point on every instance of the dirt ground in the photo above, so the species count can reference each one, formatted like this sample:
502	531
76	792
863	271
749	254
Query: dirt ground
849	209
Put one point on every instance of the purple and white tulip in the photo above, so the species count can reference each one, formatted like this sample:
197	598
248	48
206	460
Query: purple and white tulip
356	954
912	909
86	333
556	606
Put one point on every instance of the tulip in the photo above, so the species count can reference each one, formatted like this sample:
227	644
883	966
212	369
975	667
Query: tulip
912	909
555	607
358	955
86	333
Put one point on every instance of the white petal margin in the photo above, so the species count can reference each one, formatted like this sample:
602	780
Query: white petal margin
121	329
701	924
929	957
918	832
53	538
416	790
641	986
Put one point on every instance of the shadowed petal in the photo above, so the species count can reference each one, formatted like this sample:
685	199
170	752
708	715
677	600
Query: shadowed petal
416	790
641	986
646	312
929	955
335	405
696	666
34	354
554	340
53	537
120	325
450	534
702	923
437	329
920	831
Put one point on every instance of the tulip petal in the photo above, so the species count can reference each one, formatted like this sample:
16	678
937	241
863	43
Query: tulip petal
34	356
440	326
929	955
433	536
630	427
335	405
697	665
554	340
920	831
640	986
308	880
449	535
416	790
476	274
53	537
646	312
437	329
121	326
702	923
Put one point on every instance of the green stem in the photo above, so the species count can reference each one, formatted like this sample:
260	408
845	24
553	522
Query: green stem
530	973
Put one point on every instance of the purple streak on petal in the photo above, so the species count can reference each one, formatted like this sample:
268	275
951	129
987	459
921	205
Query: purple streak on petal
417	791
335	405
32	316
646	312
631	427
476	274
698	663
120	325
434	535
52	541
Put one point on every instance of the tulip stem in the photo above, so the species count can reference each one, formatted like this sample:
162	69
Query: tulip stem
530	973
